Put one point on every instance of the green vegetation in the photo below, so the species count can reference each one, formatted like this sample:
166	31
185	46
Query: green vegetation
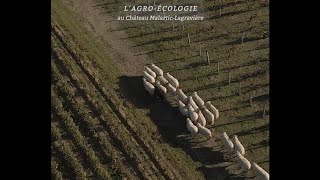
96	133
84	82
246	63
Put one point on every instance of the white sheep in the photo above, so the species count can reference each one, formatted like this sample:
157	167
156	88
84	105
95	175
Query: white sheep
225	136
149	71
183	109
208	115
193	104
148	86
205	131
198	100
226	142
148	77
238	146
201	119
259	172
162	80
243	162
170	88
172	80
161	88
181	96
192	114
190	108
212	109
156	69
191	127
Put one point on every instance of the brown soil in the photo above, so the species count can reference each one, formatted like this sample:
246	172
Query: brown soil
125	56
106	28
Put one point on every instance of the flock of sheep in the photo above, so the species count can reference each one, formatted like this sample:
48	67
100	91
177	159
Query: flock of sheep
244	163
198	113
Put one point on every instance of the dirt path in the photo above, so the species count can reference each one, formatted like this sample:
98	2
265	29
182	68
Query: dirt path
106	28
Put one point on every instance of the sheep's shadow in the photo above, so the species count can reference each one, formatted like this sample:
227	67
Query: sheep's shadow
131	89
168	119
215	163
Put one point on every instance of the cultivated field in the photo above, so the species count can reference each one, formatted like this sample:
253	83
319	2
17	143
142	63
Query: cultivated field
105	126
